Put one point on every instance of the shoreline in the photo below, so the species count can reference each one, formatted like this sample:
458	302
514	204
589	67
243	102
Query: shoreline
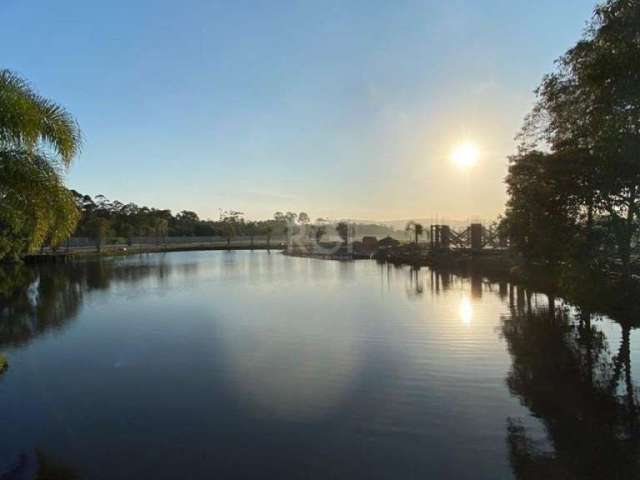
492	261
124	250
593	291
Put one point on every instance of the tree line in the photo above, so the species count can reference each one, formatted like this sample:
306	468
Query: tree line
101	219
38	142
574	184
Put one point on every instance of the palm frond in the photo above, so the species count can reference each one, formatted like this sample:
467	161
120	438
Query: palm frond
30	121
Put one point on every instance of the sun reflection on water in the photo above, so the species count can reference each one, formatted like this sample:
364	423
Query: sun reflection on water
466	311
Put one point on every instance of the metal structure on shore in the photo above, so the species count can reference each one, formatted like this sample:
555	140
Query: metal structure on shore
474	237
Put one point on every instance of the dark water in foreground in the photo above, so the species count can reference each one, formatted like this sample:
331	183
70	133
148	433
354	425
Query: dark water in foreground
206	365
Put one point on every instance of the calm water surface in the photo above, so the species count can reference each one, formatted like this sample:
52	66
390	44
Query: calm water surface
208	365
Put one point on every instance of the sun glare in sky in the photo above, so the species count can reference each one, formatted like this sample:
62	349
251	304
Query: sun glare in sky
465	155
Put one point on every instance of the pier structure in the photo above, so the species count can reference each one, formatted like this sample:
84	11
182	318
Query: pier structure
475	237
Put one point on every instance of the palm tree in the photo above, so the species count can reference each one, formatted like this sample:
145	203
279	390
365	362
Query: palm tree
416	228
30	122
38	140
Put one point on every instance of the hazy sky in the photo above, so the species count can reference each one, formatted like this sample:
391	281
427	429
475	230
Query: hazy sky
339	108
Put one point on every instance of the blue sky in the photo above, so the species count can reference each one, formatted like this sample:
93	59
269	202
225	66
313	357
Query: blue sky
339	108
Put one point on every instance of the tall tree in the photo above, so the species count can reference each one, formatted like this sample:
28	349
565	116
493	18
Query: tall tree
185	222
539	217
99	228
38	140
588	115
160	229
231	221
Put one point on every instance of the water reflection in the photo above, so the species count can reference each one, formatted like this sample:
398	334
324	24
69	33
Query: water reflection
38	465
466	311
564	373
42	299
358	369
294	370
415	283
570	376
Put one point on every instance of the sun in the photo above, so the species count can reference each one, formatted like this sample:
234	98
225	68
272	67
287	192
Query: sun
465	155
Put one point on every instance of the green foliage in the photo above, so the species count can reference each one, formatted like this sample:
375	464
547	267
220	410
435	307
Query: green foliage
3	363
31	122
130	220
14	280
588	116
540	218
160	228
37	140
230	224
252	229
100	228
186	223
36	207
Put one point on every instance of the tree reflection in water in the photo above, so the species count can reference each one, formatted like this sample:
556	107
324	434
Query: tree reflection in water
415	285
38	466
563	368
37	300
563	371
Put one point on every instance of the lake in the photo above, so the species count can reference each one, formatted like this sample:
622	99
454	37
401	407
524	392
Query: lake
201	365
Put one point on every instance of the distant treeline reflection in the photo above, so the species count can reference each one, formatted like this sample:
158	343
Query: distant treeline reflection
564	369
35	300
